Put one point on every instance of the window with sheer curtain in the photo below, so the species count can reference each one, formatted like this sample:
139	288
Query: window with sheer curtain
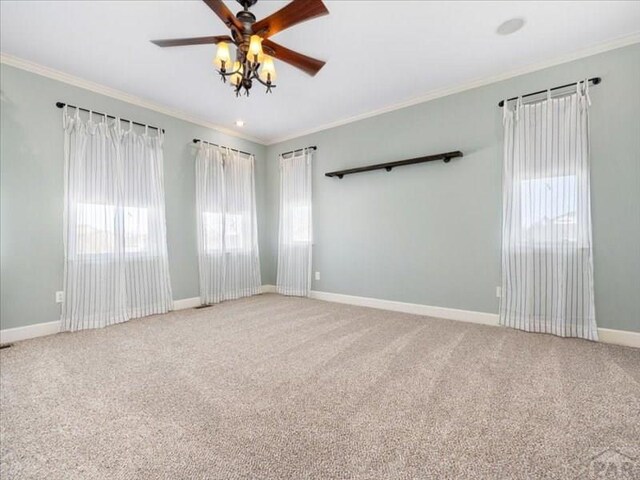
547	265
116	264
228	256
96	229
295	236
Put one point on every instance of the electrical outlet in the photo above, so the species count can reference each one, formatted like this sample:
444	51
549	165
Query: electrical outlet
317	275
498	292
59	297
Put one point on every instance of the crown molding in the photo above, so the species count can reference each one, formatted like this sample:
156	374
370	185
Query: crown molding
63	77
481	82
434	94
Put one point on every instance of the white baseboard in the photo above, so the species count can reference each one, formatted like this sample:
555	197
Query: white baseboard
185	303
414	308
606	335
10	335
619	337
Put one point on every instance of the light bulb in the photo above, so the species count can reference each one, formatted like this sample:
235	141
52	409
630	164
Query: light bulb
222	55
268	70
254	54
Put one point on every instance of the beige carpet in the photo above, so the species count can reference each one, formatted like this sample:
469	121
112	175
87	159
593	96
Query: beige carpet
276	387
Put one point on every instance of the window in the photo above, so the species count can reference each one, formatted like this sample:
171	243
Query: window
136	230
233	232
97	225
96	229
212	223
548	209
300	228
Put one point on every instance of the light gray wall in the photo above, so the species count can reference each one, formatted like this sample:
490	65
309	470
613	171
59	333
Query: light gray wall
32	191
430	233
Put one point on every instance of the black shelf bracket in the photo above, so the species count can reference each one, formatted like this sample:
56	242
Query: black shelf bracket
445	157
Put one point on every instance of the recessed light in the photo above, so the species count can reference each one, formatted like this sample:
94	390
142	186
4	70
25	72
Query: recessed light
239	123
510	26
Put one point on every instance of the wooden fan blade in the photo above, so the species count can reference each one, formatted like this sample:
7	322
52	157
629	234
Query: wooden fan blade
221	10
178	42
306	64
295	12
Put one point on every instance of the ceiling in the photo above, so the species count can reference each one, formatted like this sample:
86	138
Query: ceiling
378	53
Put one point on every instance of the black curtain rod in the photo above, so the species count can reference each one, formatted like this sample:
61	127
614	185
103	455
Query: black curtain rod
312	147
62	104
594	81
196	140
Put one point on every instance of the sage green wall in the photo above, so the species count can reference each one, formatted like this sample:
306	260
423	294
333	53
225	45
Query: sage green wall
430	233
426	234
32	191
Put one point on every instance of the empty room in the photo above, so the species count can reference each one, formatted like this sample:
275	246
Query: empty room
316	239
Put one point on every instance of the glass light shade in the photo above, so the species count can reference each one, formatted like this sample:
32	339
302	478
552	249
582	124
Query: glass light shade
255	48
267	69
222	54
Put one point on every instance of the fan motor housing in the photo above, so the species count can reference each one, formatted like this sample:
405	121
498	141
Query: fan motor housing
246	17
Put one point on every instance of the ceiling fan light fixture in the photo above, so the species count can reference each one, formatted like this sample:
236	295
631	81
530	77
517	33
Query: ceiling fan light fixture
223	55
238	71
252	65
268	70
255	49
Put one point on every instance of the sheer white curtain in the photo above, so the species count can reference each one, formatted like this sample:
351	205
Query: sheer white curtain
210	219
228	256
547	266
116	265
296	226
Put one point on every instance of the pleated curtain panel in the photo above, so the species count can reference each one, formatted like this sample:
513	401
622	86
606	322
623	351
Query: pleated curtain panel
116	265
295	236
228	256
547	265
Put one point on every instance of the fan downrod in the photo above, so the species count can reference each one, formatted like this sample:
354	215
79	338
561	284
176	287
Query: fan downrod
247	4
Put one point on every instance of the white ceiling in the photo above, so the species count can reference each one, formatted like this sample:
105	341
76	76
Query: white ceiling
378	53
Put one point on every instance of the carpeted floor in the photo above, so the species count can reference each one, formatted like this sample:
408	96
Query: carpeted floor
276	387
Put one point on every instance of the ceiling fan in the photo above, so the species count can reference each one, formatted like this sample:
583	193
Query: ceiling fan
254	49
